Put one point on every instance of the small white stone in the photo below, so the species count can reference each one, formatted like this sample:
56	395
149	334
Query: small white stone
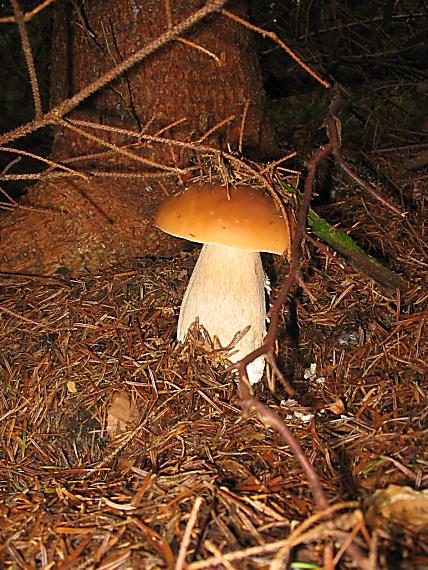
304	417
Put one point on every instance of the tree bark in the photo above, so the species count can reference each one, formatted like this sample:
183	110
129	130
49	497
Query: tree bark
206	76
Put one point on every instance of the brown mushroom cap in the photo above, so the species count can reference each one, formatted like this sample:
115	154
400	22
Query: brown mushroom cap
240	217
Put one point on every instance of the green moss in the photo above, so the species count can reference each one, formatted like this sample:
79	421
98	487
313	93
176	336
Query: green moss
346	246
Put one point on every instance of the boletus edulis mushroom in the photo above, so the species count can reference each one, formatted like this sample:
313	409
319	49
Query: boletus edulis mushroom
226	291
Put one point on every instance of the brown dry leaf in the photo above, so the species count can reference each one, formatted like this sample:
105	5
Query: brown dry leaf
399	505
337	407
121	414
71	387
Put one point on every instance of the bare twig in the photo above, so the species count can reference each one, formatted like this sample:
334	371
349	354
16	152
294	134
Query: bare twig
196	146
15	206
333	147
268	347
69	104
215	128
25	319
181	558
273	420
51	163
279	42
28	15
119	150
46	175
332	123
243	121
28	54
200	48
302	534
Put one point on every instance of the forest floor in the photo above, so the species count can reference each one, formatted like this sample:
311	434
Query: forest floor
121	448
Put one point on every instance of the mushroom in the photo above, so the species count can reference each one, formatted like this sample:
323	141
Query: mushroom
226	292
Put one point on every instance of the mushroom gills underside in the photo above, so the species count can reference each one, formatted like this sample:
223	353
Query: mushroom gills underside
226	293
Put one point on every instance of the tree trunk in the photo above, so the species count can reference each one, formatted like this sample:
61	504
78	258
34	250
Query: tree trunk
207	75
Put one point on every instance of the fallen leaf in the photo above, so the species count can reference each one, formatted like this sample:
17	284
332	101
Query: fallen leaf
337	407
71	387
121	414
399	505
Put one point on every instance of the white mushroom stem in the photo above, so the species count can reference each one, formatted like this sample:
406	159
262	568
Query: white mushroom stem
226	292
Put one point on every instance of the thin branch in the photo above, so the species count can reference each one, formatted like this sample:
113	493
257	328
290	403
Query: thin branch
155	45
25	319
68	105
181	558
300	535
119	150
243	121
333	127
28	15
268	346
10	200
15	206
201	49
215	128
279	42
248	402
28	54
218	556
47	175
279	161
43	159
197	147
319	155
168	14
